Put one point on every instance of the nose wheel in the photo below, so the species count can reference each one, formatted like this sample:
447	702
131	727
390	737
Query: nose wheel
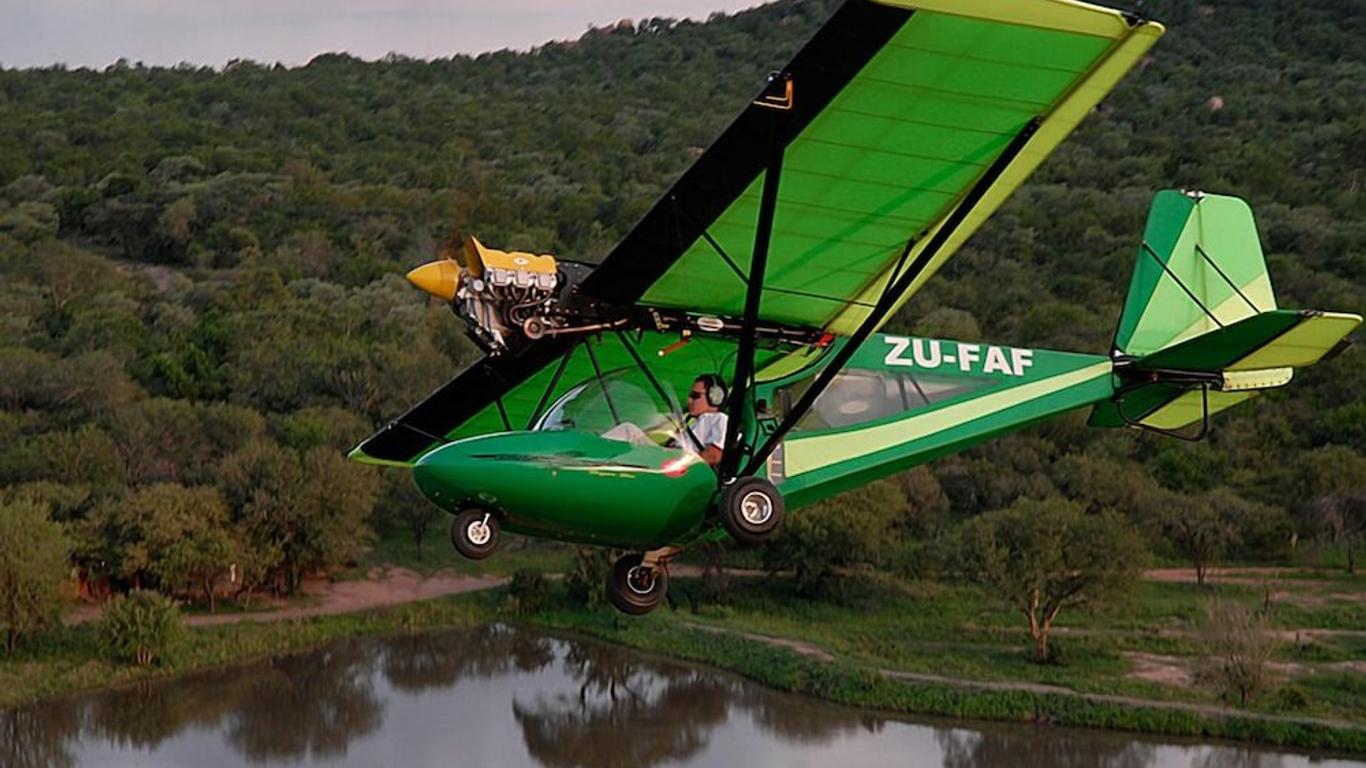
751	510
474	532
635	587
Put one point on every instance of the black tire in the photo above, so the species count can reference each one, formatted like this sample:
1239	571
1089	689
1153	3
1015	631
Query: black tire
634	589
751	510
474	532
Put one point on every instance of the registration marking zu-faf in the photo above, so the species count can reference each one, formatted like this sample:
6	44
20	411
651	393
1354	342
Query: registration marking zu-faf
969	358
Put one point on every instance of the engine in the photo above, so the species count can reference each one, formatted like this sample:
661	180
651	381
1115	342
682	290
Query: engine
505	297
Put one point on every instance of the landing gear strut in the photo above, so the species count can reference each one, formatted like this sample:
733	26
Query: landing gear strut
474	532
635	586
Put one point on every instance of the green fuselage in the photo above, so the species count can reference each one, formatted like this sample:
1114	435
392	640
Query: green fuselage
899	402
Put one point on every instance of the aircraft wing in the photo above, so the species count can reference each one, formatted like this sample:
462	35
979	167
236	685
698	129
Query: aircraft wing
896	110
906	124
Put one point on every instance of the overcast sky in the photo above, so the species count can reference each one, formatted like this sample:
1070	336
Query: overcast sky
96	33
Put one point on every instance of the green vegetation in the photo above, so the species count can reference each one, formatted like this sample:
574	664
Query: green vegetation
33	561
202	309
72	658
141	627
1043	556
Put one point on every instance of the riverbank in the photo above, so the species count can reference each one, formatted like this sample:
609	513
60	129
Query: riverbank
913	648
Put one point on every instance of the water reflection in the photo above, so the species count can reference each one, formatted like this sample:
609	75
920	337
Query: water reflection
511	697
432	661
623	713
308	706
969	749
37	737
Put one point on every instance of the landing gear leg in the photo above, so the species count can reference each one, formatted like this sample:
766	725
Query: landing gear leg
638	583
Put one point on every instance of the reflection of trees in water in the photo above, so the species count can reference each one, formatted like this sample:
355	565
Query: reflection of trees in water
1234	757
416	663
312	705
802	721
626	712
145	715
39	736
1014	747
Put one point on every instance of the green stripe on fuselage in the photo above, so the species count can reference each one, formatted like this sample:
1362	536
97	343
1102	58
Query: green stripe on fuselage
820	463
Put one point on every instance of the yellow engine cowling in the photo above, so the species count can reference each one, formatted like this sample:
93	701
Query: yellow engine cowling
515	268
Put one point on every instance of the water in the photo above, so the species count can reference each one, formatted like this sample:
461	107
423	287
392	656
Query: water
499	696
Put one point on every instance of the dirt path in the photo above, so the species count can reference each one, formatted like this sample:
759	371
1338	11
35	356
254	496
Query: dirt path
382	587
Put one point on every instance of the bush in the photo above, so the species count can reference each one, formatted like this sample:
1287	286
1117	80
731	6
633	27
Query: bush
587	583
142	627
529	591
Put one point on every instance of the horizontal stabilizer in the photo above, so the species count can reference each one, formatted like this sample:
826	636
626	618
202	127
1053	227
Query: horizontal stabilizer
1281	338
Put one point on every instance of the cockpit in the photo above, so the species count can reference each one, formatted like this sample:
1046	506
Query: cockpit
617	406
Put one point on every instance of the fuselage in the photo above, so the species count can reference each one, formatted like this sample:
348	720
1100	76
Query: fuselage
900	401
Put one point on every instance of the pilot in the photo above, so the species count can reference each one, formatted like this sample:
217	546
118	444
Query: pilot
704	431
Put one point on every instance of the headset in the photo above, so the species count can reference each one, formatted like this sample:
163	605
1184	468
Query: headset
716	389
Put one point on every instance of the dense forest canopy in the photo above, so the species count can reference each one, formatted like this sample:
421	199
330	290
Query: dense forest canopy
202	301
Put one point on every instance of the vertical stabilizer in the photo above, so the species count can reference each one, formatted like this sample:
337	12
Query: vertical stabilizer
1200	266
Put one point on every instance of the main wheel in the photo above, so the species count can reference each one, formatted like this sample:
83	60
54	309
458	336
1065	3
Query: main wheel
474	532
751	510
634	588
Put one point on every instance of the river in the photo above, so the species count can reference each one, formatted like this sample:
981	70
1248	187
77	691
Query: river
500	696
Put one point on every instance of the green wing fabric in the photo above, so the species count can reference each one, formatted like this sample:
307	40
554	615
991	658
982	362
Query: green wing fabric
936	93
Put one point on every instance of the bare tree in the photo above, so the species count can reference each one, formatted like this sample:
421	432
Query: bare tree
1237	647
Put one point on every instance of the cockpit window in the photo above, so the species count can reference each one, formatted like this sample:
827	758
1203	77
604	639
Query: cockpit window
599	406
858	396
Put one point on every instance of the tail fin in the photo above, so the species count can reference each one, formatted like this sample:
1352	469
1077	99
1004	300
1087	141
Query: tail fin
1200	330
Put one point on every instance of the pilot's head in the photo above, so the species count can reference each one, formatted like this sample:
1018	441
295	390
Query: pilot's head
708	393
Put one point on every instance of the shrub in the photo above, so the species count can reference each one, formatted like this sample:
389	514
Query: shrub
529	591
587	583
142	627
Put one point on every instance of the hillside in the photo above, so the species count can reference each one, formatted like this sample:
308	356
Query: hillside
203	304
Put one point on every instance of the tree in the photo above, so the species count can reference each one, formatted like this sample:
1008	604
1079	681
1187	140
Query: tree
1046	555
313	506
404	503
1237	647
1198	528
1333	478
33	564
850	529
174	535
1343	517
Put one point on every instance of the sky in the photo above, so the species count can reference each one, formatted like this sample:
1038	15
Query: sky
96	33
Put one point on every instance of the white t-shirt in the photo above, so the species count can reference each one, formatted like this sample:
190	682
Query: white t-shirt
709	429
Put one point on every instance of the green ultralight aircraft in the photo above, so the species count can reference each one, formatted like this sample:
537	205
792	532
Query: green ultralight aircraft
857	171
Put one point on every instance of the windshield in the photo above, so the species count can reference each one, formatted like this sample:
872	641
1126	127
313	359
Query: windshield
622	403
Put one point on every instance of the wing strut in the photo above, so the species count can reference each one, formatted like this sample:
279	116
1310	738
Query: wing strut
887	301
744	357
